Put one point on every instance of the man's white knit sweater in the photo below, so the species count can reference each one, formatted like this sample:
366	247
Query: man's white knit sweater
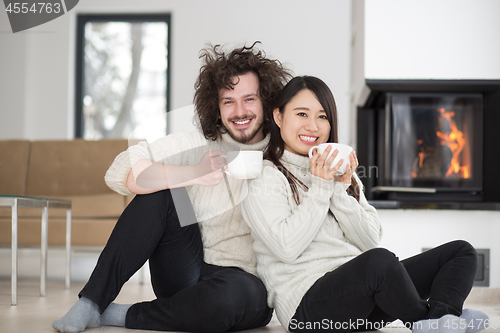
225	235
297	244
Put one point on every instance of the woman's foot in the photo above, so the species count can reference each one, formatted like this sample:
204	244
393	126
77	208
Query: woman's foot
115	315
445	324
84	314
476	320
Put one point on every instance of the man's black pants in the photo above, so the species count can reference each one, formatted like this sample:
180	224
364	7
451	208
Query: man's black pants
191	295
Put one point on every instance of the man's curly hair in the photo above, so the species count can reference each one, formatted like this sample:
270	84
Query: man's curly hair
217	72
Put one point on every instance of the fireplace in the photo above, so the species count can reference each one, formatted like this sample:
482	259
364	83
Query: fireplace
431	143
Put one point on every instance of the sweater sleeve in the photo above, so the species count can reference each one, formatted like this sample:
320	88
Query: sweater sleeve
178	149
358	221
285	229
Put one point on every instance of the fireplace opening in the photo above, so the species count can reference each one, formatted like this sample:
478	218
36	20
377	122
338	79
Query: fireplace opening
430	141
434	141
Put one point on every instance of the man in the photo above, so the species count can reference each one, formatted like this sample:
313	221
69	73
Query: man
203	274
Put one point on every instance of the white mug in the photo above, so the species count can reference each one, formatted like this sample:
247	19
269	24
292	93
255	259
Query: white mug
244	164
344	151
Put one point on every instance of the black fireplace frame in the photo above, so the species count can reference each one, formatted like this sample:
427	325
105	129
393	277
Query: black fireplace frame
370	123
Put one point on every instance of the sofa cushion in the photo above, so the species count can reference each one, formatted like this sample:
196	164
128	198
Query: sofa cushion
84	232
71	167
129	198
91	206
14	157
6	212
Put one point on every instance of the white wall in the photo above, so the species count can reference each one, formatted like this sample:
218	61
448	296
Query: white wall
357	76
406	232
428	39
310	37
12	73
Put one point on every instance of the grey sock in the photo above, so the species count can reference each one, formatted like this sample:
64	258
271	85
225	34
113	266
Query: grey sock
476	320
445	324
115	315
84	314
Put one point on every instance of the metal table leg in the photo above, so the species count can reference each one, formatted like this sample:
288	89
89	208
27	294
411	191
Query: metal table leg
14	255
15	202
43	251
68	248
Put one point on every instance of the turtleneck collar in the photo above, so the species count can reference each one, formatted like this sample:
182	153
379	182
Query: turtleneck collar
253	146
296	160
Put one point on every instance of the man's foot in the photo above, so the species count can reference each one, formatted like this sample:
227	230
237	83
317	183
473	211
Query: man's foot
115	315
476	320
84	314
445	324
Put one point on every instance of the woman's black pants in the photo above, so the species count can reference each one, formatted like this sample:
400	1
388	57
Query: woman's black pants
375	288
191	295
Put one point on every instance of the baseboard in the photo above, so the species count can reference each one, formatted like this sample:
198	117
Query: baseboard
484	295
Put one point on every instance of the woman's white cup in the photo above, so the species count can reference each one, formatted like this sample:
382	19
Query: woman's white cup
344	151
244	164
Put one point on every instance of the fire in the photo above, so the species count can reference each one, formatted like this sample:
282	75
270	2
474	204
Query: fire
455	140
421	155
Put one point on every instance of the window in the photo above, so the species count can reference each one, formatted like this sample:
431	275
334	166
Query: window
122	76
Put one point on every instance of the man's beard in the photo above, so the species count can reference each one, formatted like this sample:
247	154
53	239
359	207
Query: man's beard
248	137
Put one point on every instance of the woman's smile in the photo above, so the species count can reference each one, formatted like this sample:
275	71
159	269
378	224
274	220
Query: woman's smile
308	139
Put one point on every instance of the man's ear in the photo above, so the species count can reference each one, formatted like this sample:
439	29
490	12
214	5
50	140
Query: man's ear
277	117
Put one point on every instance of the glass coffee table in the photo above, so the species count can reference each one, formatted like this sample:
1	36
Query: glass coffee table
45	204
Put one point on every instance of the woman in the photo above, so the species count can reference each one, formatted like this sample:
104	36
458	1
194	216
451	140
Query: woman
316	237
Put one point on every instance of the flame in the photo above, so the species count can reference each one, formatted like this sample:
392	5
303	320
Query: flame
421	155
455	140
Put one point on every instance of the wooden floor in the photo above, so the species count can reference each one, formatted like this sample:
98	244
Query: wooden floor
36	314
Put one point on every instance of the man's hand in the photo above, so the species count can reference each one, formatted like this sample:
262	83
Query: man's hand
147	176
209	171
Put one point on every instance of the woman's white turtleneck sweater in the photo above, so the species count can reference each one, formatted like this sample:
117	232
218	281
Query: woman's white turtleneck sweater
225	235
297	244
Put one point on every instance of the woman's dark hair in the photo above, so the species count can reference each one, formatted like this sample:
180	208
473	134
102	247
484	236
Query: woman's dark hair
276	147
217	73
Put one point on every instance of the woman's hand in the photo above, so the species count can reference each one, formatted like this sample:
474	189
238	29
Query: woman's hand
350	167
320	165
